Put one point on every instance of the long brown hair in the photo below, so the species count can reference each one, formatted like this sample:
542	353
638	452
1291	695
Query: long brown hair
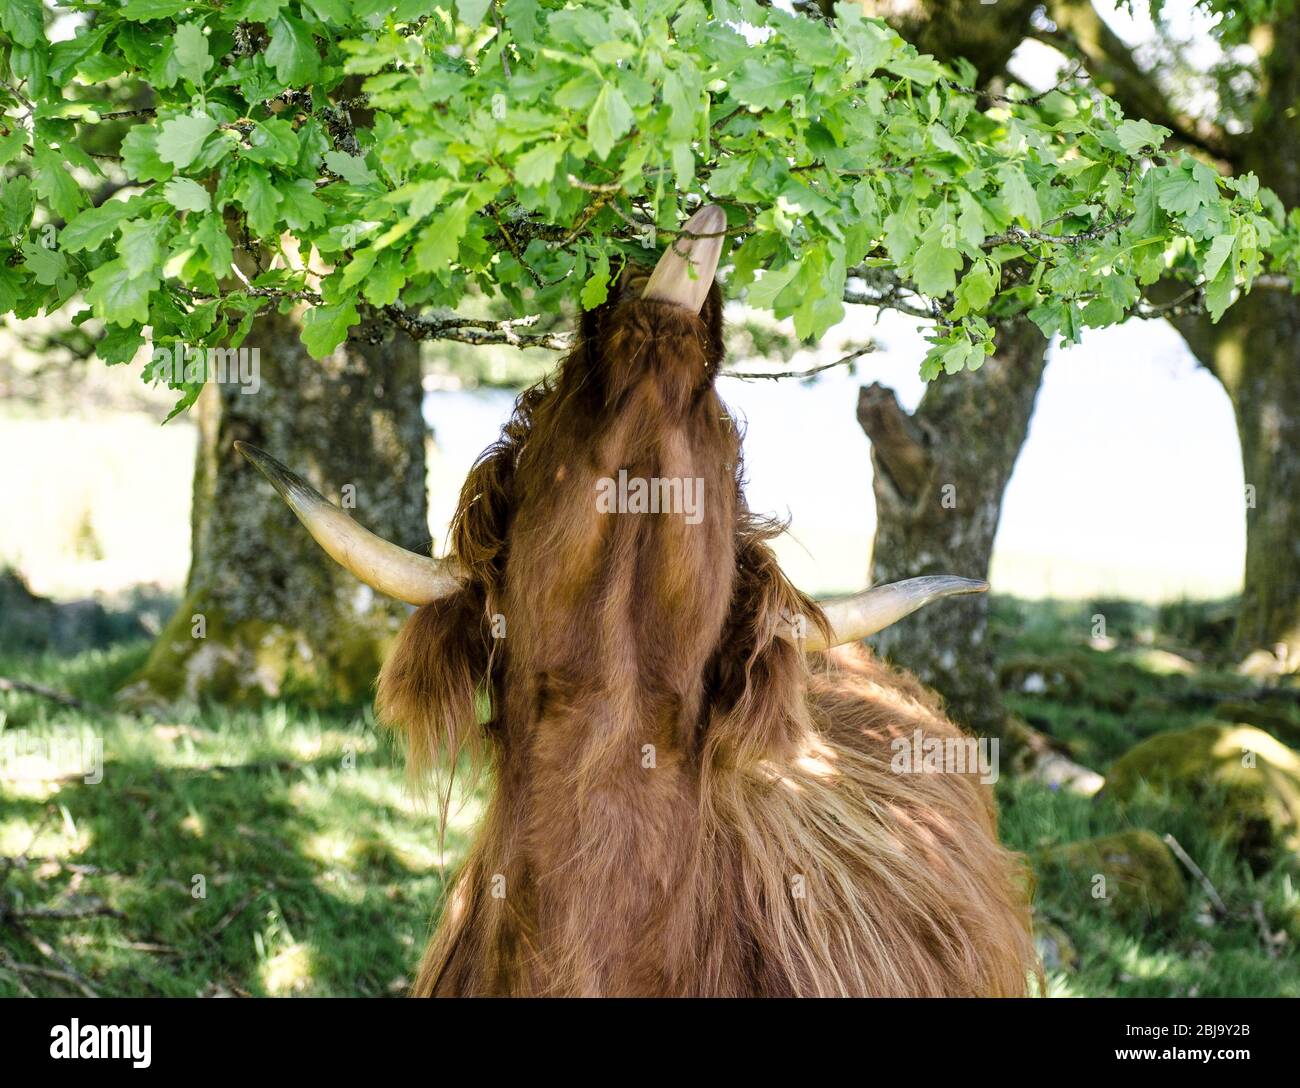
683	802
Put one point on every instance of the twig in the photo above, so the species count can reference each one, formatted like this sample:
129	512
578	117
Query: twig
26	686
476	331
56	914
122	115
66	971
1029	100
23	861
1021	235
885	299
750	376
501	29
234	913
594	187
1210	890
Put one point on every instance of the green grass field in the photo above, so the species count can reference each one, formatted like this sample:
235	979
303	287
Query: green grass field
279	852
319	874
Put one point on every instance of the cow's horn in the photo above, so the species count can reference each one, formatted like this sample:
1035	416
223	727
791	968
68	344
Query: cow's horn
415	579
685	272
862	614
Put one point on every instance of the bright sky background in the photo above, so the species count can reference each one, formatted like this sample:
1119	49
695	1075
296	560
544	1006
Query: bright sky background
1130	481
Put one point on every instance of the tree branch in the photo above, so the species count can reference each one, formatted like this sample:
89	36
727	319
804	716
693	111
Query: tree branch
1082	34
757	375
898	444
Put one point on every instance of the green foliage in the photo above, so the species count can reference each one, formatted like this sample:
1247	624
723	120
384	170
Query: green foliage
523	149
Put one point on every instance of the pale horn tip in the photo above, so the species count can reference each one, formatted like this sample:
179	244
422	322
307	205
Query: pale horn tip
710	219
864	614
932	587
685	272
392	570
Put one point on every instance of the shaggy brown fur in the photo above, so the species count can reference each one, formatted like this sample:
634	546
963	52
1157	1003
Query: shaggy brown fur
768	849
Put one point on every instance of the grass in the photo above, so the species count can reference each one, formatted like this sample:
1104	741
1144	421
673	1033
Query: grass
1163	673
1197	953
279	852
274	852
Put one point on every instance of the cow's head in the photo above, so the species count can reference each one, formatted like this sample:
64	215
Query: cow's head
602	549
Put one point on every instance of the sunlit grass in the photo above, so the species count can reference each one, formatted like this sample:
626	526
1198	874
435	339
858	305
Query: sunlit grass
272	852
1117	699
282	852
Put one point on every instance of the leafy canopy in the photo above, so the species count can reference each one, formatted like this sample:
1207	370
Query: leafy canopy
200	163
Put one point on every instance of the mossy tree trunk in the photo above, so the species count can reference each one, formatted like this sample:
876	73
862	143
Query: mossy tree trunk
1259	362
1255	352
266	613
939	477
940	473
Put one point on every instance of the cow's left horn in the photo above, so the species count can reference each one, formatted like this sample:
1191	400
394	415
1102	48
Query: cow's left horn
685	272
854	618
415	579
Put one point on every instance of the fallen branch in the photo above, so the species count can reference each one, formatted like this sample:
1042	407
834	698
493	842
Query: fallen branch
23	861
48	972
12	967
226	768
57	914
28	688
65	970
1216	900
234	913
148	946
1272	942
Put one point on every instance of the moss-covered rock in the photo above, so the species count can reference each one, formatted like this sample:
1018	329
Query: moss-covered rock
1244	781
1055	948
1132	874
1157	662
1282	720
1030	674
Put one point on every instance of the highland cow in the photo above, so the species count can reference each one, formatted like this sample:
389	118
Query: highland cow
692	790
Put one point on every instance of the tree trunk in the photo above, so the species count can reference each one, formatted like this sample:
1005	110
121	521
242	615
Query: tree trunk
266	613
984	34
939	476
1255	352
1258	360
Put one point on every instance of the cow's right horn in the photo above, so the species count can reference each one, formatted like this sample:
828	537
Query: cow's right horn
393	571
862	614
